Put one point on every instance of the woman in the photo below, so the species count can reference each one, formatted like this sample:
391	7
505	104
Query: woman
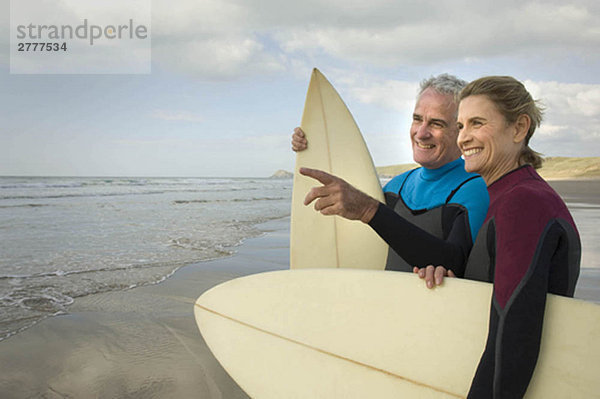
528	245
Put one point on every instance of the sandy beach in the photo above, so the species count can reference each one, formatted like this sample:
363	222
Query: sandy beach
140	343
583	190
144	343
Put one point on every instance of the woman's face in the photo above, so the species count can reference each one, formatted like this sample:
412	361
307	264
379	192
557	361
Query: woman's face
488	143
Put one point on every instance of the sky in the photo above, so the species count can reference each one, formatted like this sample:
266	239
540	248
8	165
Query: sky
229	78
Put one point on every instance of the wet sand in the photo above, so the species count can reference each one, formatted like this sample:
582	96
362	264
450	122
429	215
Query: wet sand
141	343
580	191
583	199
144	343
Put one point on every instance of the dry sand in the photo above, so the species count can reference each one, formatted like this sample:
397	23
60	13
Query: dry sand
144	343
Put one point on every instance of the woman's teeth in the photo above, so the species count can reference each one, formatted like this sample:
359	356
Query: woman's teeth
472	151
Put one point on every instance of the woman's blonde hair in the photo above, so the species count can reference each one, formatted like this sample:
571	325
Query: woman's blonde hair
512	99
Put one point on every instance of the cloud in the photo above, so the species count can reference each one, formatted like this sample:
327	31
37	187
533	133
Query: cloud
551	131
388	94
400	34
571	118
168	115
216	40
567	99
226	40
372	89
220	58
209	39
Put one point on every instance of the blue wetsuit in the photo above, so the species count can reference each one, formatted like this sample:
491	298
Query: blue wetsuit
432	217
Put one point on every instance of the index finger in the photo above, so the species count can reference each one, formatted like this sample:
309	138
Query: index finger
317	174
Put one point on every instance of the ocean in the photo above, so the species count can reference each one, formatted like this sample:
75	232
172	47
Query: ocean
62	238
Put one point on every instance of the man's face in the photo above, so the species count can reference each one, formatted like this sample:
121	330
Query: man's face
433	131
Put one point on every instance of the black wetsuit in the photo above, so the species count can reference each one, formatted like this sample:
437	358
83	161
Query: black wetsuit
528	246
431	217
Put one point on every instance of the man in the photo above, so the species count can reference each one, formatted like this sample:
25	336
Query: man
433	213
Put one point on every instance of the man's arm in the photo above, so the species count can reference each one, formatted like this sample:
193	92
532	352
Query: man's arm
418	247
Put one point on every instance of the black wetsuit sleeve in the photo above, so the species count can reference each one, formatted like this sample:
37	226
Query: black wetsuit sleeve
420	248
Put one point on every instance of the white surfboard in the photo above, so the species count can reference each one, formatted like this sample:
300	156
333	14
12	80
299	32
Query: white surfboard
336	146
336	333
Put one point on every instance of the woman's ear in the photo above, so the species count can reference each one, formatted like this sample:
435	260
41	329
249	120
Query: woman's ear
521	128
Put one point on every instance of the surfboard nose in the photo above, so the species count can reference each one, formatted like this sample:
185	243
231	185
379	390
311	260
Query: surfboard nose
336	146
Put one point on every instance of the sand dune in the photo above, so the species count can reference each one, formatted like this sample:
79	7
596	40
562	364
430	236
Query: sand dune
553	168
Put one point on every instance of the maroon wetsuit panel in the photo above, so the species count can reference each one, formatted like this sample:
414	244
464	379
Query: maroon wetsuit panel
522	205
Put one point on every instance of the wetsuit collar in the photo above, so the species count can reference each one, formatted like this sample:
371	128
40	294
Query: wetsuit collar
512	178
436	174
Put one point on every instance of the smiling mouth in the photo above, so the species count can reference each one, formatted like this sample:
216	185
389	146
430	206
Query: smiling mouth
425	146
472	151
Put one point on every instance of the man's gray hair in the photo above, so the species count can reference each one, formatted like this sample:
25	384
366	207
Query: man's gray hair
444	83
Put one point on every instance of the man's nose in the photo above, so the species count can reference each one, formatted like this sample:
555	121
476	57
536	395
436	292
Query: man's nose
423	131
